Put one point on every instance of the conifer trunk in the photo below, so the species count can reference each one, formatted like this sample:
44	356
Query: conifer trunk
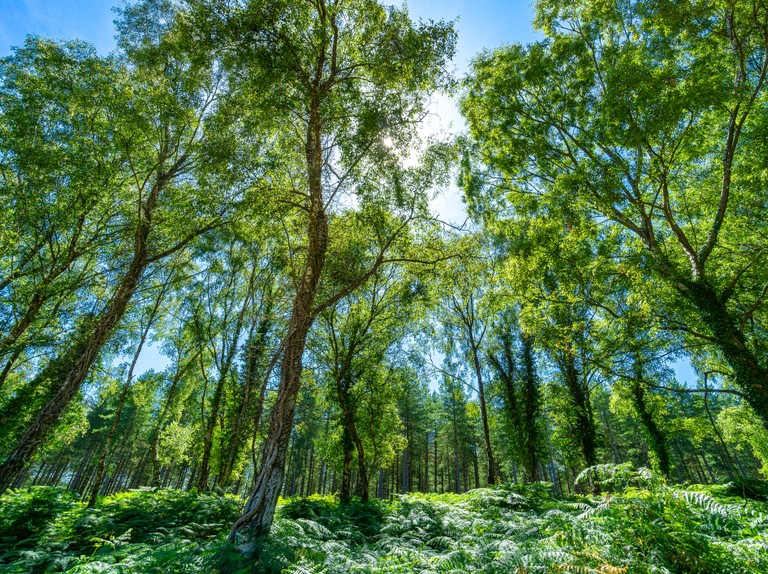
585	426
531	400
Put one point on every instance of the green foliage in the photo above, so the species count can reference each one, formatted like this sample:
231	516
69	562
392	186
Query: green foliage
741	427
616	477
527	529
26	514
44	529
647	527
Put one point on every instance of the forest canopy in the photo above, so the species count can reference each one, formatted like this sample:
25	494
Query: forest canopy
244	187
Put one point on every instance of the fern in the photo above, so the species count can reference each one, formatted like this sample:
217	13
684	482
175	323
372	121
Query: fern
500	530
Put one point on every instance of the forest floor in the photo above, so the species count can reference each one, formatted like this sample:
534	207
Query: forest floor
505	529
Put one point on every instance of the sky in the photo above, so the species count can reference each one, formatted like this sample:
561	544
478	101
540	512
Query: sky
481	24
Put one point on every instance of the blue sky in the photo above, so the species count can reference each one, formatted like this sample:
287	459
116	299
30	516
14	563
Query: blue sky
89	20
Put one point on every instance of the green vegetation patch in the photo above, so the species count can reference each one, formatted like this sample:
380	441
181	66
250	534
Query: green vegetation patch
506	529
45	529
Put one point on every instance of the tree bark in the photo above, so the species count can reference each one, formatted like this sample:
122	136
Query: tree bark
657	441
531	404
121	401
750	375
260	509
585	426
483	410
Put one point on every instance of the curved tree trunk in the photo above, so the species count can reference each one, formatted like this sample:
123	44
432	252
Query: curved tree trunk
657	441
121	401
748	372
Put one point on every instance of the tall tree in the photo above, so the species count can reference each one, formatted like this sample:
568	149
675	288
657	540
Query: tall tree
659	140
351	74
165	133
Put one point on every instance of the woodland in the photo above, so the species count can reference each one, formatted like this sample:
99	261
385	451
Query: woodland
349	382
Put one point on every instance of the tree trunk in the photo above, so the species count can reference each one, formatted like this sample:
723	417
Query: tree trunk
210	425
531	404
585	426
250	403
123	395
657	441
72	371
483	410
749	374
260	509
350	439
346	470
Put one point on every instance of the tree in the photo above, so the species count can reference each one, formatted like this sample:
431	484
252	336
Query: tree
522	397
465	288
165	132
657	139
351	73
360	330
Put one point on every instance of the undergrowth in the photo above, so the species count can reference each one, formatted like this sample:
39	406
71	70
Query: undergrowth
634	526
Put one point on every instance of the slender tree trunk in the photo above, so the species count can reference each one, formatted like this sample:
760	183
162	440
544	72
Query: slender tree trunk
426	462
657	441
346	468
72	368
456	447
123	395
585	426
226	364
260	509
531	406
210	425
311	474
350	440
405	487
483	409
435	461
250	404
